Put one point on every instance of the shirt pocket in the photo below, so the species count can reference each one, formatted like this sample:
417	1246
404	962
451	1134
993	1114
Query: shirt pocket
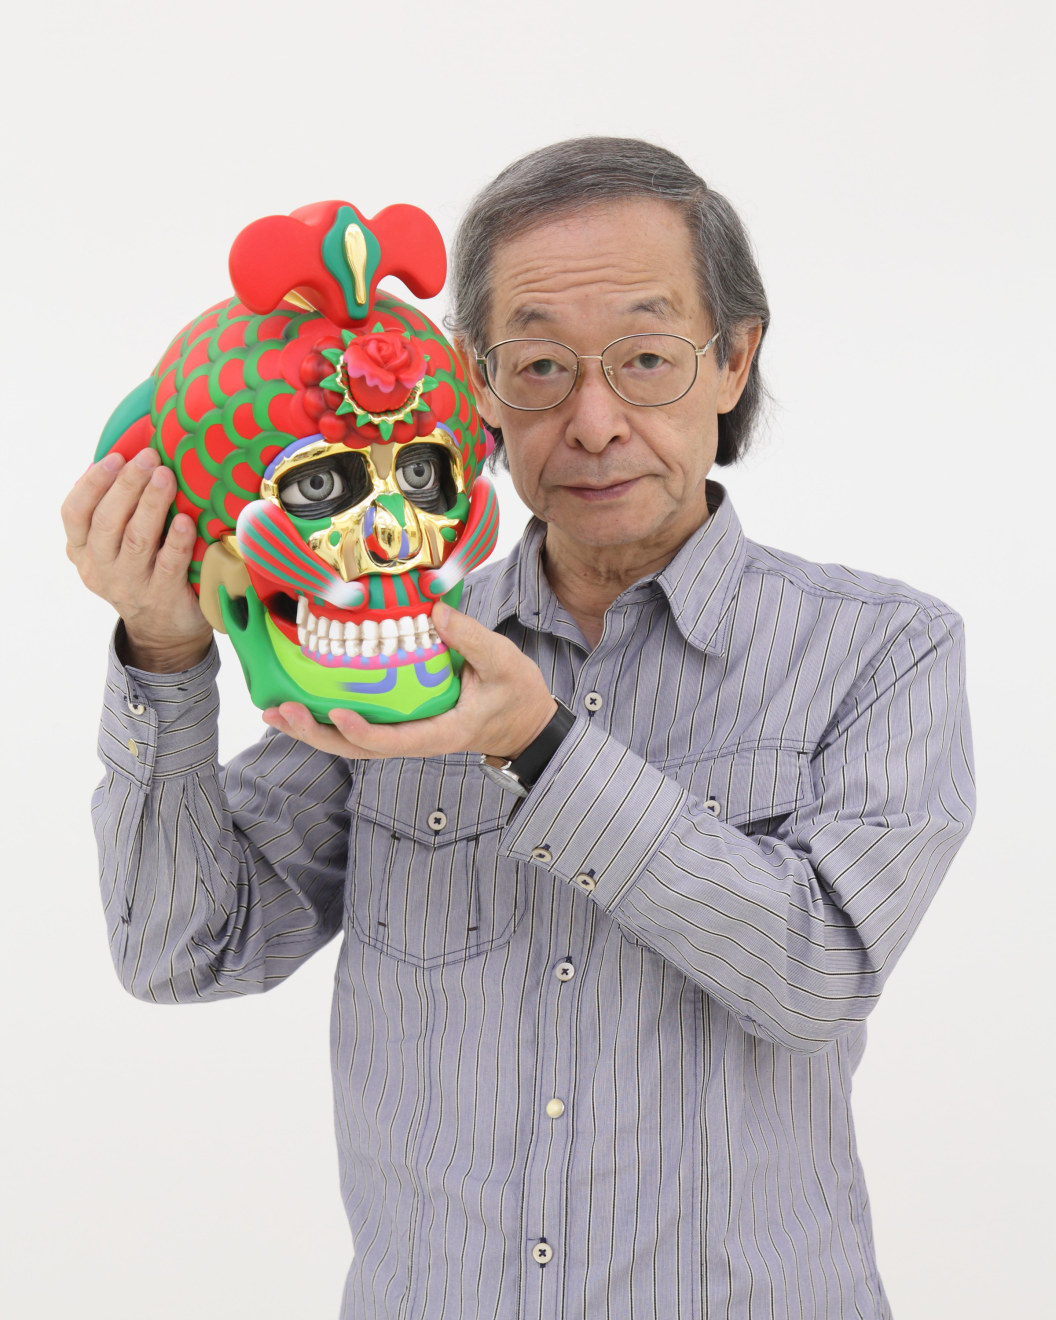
754	788
425	881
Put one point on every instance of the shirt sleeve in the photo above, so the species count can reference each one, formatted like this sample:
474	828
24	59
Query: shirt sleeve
795	932
215	882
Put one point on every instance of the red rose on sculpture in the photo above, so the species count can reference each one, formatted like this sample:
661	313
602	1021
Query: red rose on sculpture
382	369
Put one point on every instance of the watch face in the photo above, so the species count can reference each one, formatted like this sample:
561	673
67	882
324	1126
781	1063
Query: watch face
499	773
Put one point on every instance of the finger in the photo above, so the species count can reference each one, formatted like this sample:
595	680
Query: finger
145	529
112	514
296	721
435	736
80	504
468	637
174	556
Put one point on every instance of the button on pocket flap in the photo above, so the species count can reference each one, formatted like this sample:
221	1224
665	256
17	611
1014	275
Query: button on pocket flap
437	801
752	783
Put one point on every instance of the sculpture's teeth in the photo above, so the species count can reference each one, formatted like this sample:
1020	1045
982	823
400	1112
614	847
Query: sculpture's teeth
324	636
389	636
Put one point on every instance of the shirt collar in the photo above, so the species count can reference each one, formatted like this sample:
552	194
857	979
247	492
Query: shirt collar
699	583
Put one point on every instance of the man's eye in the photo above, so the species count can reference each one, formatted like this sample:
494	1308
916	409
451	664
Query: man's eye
540	368
320	486
422	475
647	362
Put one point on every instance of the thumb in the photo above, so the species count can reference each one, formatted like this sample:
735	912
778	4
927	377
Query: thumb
470	638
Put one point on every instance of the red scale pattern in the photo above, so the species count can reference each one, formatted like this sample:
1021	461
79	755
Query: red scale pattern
214	488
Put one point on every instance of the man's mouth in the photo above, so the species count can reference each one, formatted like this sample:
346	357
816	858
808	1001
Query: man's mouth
611	491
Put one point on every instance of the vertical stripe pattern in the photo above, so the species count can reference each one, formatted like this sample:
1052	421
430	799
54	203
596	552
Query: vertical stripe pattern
592	1056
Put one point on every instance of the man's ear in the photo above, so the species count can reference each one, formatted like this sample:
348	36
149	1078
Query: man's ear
746	340
484	397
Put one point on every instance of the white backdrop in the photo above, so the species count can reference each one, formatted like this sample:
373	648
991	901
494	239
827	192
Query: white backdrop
889	162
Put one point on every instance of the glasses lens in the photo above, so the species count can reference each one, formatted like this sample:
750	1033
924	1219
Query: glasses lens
531	373
651	369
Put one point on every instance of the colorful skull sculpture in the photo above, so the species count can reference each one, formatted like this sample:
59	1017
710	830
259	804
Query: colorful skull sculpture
326	443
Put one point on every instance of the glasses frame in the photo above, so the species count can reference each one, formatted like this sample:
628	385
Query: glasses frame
606	370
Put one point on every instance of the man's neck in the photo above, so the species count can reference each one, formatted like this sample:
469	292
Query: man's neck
586	580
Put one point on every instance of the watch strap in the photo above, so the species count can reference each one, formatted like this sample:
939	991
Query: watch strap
540	751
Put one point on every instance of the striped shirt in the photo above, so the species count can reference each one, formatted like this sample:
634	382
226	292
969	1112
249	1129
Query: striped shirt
592	1053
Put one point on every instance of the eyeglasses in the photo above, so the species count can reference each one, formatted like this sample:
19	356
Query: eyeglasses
645	370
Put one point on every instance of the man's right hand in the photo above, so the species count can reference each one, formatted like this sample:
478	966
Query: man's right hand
115	534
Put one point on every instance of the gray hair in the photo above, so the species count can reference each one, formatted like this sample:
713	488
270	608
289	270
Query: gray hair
581	172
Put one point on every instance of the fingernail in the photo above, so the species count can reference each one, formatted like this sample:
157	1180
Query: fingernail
441	613
158	477
113	462
146	459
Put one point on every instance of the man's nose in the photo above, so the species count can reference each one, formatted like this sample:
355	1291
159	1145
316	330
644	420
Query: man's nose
598	416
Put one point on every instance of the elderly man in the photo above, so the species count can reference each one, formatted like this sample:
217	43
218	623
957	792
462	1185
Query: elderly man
593	1050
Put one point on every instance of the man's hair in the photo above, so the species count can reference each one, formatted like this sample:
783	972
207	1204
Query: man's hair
568	176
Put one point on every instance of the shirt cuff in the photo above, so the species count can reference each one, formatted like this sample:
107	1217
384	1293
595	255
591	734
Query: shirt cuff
159	725
596	816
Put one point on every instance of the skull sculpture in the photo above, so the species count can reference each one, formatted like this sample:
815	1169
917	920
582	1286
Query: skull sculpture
326	443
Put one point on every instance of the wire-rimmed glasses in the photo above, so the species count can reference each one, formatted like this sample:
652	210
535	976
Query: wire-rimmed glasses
645	370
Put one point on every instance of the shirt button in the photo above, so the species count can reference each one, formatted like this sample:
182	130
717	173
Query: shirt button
135	707
437	819
593	701
585	881
555	1108
712	806
132	747
542	1252
542	854
564	971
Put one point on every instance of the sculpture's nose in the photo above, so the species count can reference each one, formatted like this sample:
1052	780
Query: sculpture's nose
390	532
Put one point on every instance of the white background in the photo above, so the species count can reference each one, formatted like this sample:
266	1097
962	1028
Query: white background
889	161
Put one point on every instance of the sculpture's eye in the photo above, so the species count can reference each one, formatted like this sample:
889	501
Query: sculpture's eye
319	486
319	490
423	473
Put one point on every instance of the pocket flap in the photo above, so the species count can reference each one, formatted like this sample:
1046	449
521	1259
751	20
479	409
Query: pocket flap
757	783
437	801
746	784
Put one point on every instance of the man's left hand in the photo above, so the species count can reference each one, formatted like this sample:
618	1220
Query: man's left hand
503	706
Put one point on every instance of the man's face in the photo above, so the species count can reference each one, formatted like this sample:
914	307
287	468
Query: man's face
600	471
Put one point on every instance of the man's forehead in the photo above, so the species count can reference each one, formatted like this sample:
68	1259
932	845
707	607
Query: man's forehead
632	258
525	315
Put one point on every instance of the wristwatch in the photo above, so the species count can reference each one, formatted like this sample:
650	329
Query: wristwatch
518	776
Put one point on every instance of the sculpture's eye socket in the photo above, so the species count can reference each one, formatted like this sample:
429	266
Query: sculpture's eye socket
423	473
319	490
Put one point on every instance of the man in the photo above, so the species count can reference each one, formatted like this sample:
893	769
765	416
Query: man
596	1015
